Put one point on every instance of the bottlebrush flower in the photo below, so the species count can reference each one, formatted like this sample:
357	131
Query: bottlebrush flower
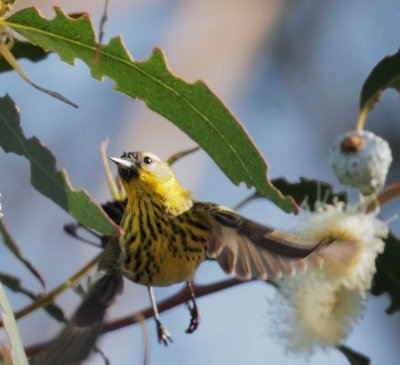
317	308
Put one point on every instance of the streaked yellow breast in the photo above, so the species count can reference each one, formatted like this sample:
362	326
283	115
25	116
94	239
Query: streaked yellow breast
159	249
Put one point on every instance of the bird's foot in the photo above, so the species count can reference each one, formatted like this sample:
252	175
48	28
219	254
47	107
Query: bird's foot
164	336
194	316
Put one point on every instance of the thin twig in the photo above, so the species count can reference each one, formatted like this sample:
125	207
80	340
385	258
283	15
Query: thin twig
177	156
246	200
103	21
177	299
51	296
8	56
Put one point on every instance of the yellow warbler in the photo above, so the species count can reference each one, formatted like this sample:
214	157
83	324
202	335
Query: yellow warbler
167	234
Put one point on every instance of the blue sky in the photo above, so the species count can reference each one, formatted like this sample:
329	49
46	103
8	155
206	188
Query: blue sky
290	71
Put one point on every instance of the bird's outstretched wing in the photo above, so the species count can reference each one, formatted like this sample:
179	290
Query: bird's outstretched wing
250	250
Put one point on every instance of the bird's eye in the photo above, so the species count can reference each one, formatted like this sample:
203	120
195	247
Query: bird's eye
147	160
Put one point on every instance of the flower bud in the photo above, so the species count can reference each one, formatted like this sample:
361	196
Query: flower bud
361	159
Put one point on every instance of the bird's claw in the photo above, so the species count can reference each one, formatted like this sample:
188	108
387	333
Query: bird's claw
194	317
164	336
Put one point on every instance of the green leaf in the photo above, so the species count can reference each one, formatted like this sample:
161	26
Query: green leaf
12	246
51	182
305	193
191	107
11	282
14	284
23	50
308	192
355	358
17	350
56	312
387	277
386	74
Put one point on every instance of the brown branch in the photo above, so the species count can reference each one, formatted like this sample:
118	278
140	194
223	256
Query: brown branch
391	192
177	299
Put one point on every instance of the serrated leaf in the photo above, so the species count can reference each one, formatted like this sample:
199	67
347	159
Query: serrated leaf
191	107
386	74
12	246
24	50
17	350
14	284
51	182
354	357
387	277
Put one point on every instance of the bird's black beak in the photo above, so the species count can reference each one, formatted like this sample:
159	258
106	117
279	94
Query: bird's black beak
126	169
121	162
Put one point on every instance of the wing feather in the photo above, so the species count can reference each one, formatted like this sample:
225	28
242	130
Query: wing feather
242	267
271	266
257	267
227	260
250	250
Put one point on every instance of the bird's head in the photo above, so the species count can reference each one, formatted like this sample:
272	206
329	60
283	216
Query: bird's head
145	173
142	170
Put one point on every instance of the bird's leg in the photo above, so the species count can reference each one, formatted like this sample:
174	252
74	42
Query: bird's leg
193	309
163	334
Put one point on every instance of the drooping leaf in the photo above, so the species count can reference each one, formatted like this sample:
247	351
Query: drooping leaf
24	50
17	349
14	284
387	277
386	74
12	246
354	357
45	177
191	107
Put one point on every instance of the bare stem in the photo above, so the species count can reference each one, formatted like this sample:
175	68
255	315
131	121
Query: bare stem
177	299
361	119
177	156
247	200
51	296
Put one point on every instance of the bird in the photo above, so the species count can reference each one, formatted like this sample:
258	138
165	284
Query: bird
167	235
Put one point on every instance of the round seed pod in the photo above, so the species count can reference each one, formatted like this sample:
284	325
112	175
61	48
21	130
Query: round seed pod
361	159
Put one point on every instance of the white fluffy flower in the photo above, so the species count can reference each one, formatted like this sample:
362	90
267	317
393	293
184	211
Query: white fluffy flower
317	308
314	312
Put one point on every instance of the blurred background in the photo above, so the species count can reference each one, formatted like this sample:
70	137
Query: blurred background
291	71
